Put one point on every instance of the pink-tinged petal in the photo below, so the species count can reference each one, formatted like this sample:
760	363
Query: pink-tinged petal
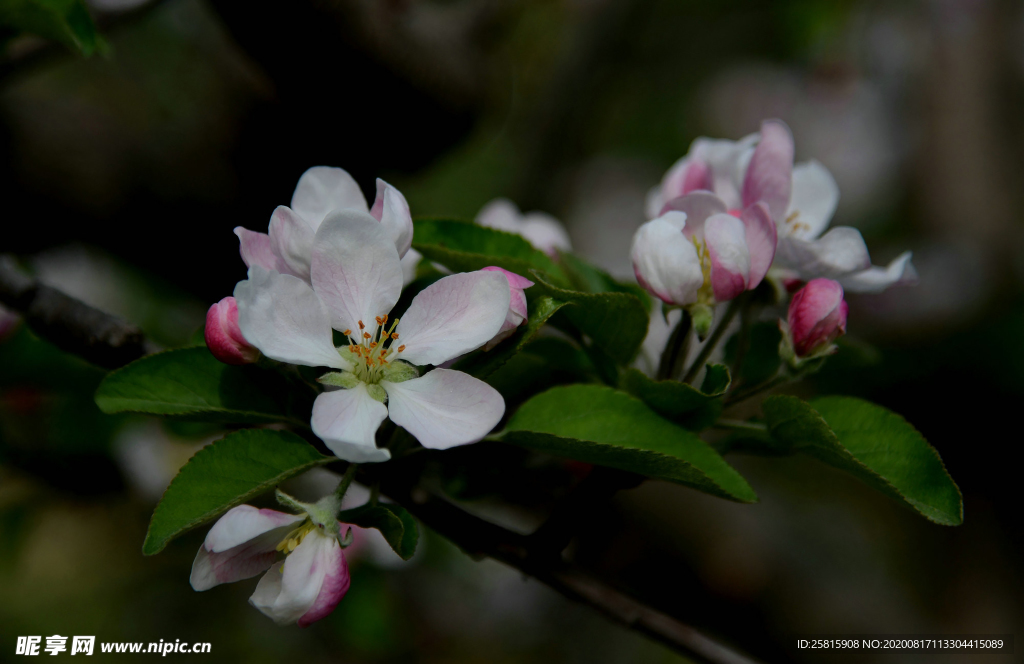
282	316
223	336
514	280
356	269
240	545
500	214
257	249
452	316
289	590
392	211
243	523
817	316
517	308
335	585
761	241
697	207
347	420
665	261
837	253
291	238
769	177
444	408
900	272
545	232
322	190
730	258
814	200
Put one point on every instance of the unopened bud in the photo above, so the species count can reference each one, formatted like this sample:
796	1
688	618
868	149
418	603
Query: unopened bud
517	312
817	317
224	337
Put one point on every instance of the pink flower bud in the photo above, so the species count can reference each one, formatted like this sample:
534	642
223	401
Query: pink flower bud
517	305
817	316
224	337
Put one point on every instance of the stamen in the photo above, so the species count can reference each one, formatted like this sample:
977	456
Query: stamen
361	326
401	348
366	335
347	333
394	335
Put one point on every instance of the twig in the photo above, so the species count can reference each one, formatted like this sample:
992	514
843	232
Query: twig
71	325
481	538
117	343
674	354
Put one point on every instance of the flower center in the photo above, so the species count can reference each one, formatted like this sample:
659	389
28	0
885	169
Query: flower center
794	224
705	294
295	537
370	350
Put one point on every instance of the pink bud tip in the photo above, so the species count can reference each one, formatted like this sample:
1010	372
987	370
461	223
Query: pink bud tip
817	316
517	310
224	337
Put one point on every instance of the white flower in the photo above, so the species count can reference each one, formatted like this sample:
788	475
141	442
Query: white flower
303	588
320	191
541	230
801	200
356	278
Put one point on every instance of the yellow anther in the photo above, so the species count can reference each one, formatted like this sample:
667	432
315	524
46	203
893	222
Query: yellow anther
361	326
366	335
792	216
347	333
401	348
394	335
373	344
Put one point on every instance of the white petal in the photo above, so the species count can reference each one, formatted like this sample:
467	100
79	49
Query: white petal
876	279
292	239
697	206
724	156
410	261
282	316
814	200
452	316
257	249
346	420
287	591
730	257
445	408
501	214
665	261
837	253
545	232
323	189
243	523
392	211
356	270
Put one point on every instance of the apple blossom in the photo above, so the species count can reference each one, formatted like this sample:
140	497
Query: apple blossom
541	230
816	318
517	311
321	190
801	199
223	336
304	587
356	279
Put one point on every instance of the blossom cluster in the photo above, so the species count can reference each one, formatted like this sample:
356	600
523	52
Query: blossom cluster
324	280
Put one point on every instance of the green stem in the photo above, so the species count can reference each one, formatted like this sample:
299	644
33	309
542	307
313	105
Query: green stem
757	389
715	337
346	482
675	350
375	493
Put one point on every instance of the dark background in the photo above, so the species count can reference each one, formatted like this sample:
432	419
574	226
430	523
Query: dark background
122	177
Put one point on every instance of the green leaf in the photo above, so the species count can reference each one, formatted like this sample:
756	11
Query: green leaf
393	521
226	473
64	21
542	364
598	424
462	246
874	444
485	362
192	383
680	402
616	322
589	278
